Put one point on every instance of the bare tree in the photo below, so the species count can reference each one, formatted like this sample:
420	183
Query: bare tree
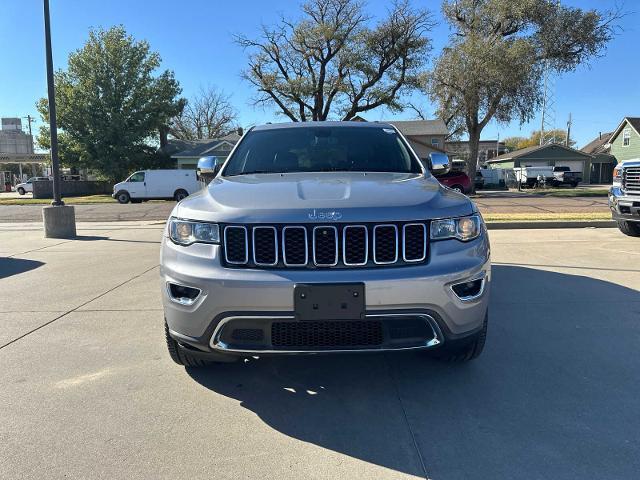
209	114
331	64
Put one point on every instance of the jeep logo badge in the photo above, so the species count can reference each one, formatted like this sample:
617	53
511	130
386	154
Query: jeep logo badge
328	215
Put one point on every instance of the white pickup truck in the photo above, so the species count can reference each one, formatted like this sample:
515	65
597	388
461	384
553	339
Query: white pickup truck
529	176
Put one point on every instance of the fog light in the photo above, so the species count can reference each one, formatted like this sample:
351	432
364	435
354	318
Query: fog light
469	290
182	294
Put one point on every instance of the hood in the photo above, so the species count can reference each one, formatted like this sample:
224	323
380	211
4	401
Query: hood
324	197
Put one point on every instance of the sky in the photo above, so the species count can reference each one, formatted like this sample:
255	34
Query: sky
195	40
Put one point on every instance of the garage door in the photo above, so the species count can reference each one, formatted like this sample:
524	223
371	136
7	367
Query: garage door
535	163
574	165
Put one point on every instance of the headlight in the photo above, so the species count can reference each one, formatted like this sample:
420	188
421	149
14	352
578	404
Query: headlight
186	232
462	228
617	176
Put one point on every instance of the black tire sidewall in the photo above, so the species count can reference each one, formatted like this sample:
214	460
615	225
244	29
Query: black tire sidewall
21	191
124	195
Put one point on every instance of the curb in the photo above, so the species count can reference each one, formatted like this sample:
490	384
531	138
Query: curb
541	224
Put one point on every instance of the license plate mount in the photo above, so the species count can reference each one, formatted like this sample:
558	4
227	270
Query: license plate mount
335	301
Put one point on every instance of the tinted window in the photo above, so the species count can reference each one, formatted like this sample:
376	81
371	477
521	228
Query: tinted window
137	177
322	149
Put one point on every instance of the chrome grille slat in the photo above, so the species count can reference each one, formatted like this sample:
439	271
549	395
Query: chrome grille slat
348	247
235	253
264	250
325	245
292	229
405	238
631	179
378	240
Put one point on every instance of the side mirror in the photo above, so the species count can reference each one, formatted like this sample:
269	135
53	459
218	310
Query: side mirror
439	163
208	168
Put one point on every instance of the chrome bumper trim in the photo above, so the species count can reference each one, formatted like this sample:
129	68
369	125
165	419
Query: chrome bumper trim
216	344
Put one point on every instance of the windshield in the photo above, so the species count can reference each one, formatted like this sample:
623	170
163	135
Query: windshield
322	149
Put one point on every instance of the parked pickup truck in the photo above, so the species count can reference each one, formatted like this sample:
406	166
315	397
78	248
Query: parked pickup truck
624	197
319	237
564	176
530	176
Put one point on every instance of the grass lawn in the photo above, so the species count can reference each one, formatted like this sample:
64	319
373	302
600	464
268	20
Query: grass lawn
572	192
541	217
67	200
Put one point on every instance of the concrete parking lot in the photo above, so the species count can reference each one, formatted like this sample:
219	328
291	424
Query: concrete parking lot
88	390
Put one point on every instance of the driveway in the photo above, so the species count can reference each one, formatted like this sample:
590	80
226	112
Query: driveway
88	390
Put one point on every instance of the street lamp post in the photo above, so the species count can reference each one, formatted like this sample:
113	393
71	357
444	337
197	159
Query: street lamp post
59	219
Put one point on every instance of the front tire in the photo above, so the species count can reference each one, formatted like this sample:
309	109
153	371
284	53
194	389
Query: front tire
458	188
181	355
180	195
466	351
21	191
629	228
123	197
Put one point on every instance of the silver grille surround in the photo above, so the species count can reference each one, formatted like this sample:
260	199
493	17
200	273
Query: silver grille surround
376	227
275	242
631	179
246	245
340	256
284	249
344	245
335	232
404	243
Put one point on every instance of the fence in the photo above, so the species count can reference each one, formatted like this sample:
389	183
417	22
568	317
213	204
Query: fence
44	189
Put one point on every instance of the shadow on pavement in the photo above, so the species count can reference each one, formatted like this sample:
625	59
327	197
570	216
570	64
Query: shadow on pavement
91	238
554	395
15	266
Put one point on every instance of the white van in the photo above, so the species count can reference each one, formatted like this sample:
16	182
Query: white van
156	184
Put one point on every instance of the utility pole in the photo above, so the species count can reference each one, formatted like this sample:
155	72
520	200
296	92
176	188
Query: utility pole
55	162
59	219
30	120
568	131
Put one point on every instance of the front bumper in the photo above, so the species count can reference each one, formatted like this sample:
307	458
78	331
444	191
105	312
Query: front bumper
418	297
624	207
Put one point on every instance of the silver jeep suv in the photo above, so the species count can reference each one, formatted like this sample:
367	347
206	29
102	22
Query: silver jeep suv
324	237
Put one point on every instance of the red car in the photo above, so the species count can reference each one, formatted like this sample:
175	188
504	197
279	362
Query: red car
456	180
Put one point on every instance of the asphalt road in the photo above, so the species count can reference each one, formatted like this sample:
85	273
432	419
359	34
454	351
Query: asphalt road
88	390
160	211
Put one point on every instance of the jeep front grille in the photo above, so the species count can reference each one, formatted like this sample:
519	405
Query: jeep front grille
631	179
325	246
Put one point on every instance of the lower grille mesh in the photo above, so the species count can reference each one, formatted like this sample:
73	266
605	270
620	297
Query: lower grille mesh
326	334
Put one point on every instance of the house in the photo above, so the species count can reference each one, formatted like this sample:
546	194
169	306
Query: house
187	152
625	140
487	149
602	164
424	136
551	154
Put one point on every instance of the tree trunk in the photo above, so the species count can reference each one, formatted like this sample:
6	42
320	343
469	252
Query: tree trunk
472	161
164	132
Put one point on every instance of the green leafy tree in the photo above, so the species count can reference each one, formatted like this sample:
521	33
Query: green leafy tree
112	107
516	143
333	64
493	65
